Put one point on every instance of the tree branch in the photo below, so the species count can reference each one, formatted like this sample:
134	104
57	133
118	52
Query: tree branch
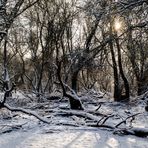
27	112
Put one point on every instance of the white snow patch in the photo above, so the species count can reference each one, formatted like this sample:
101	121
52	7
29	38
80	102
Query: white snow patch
69	138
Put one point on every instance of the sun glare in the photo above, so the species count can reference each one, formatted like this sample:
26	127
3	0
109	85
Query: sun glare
117	25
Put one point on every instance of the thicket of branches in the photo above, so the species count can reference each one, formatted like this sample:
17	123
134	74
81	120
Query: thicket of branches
38	34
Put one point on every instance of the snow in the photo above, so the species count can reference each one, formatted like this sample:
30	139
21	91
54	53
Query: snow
63	137
18	130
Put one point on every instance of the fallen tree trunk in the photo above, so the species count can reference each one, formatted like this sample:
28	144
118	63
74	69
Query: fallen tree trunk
80	113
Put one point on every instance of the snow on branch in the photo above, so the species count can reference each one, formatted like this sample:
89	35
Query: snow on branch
131	4
27	112
124	121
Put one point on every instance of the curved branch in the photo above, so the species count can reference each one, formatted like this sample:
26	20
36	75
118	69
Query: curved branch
26	112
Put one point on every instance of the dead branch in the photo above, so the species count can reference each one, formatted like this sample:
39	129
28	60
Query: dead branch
107	119
140	132
104	119
26	112
124	121
98	107
101	126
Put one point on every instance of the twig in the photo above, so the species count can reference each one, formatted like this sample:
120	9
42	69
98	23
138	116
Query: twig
124	121
98	107
106	119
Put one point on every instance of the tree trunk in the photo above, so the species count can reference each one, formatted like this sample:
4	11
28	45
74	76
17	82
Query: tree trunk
74	100
126	84
74	80
117	93
5	70
141	76
142	84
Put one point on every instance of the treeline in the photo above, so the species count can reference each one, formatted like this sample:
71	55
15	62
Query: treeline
101	44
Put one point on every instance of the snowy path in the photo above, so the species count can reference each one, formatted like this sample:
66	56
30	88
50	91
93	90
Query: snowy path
70	138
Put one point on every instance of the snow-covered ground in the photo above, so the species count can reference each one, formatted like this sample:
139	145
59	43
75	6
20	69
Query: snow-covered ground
62	137
18	130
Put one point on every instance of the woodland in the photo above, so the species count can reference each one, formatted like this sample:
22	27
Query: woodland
74	63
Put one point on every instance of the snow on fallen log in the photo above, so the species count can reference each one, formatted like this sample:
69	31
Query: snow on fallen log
142	132
27	112
80	113
139	132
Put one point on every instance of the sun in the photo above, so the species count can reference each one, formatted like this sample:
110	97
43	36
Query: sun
117	25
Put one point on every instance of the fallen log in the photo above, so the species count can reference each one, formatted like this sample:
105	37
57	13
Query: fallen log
139	132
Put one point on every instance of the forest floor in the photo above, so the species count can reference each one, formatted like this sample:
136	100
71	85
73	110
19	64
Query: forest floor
70	128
